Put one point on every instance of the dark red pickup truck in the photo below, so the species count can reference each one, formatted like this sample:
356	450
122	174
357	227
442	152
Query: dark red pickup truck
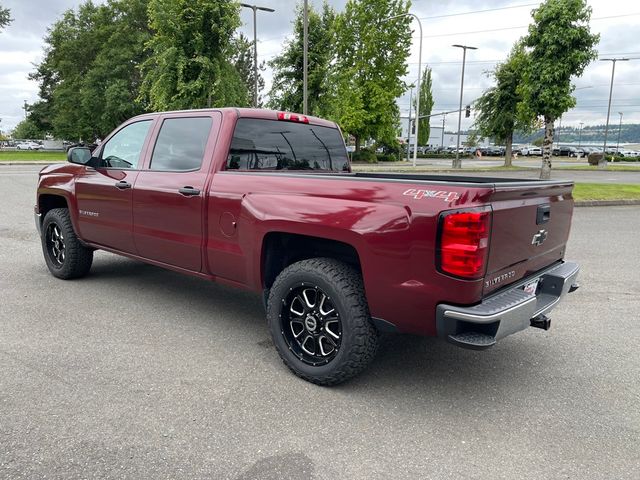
267	201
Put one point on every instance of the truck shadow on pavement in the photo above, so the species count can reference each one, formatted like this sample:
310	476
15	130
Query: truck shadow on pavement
404	362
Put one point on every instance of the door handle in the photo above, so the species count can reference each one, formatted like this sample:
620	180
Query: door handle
122	185
189	191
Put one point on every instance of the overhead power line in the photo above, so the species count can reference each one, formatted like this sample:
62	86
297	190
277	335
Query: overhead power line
480	11
451	34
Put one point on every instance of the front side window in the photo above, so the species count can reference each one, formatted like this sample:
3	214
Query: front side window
124	148
279	145
181	143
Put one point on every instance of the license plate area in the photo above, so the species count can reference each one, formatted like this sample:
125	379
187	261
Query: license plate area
531	287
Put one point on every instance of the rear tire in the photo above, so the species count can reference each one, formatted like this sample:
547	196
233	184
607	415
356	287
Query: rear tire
319	321
65	256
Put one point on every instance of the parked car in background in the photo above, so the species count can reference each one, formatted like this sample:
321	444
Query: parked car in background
529	151
562	151
623	152
69	146
28	146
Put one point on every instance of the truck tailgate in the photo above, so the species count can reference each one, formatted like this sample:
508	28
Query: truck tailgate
529	231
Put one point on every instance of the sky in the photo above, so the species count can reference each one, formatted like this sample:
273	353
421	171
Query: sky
490	25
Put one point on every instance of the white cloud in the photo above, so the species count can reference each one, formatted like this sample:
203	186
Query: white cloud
21	44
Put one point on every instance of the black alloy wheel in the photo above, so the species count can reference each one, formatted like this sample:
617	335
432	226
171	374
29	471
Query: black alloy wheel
311	324
54	239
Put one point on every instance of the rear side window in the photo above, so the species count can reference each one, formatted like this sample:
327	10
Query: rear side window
181	143
280	145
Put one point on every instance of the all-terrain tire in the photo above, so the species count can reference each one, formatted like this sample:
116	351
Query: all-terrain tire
58	236
342	286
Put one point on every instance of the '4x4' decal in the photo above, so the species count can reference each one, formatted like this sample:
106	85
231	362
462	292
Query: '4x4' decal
419	194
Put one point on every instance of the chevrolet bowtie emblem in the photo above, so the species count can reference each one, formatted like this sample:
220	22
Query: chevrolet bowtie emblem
539	238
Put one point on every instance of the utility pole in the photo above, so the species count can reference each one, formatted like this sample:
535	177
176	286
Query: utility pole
442	139
606	128
255	8
619	128
580	134
409	131
305	57
457	163
558	134
415	146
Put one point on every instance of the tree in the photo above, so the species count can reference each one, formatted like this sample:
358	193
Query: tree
5	17
188	66
243	62
560	46
26	130
89	77
371	53
497	108
426	106
286	91
472	139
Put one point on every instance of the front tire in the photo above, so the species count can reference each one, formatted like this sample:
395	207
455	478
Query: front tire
65	256
319	321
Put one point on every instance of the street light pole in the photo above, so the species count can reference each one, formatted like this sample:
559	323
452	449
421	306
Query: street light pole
415	147
409	131
619	128
255	8
305	56
580	134
457	163
606	128
442	139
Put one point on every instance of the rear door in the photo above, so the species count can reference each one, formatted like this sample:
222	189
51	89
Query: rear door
168	196
530	229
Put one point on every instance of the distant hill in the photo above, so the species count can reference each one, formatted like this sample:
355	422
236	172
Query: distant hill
629	133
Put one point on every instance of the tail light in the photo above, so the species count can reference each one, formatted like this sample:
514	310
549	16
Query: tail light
292	117
463	242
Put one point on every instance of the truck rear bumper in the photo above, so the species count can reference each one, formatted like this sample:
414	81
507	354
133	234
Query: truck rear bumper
522	305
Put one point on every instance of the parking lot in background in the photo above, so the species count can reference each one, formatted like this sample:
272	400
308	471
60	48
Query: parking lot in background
137	372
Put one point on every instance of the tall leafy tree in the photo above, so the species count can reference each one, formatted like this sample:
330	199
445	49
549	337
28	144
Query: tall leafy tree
426	106
371	58
286	91
27	130
560	45
189	63
497	108
89	78
243	62
5	17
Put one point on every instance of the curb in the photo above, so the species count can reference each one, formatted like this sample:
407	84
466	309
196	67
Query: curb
606	203
40	162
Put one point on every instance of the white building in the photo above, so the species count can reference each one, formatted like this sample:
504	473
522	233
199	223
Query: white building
436	137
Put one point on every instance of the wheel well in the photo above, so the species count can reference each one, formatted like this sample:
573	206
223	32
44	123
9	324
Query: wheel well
282	249
49	202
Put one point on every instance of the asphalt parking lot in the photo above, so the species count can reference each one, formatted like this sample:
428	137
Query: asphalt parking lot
136	372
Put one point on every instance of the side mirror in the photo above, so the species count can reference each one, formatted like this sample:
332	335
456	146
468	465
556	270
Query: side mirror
81	156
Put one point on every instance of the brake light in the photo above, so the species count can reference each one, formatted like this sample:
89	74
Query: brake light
292	117
464	243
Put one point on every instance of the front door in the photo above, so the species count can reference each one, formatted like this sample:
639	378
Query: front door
168	196
104	194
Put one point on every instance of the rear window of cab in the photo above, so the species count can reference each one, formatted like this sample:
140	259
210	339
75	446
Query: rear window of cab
259	144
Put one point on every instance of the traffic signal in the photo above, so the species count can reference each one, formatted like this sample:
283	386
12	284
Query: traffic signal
467	111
